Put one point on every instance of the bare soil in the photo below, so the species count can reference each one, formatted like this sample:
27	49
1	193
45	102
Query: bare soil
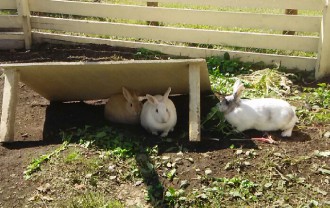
39	122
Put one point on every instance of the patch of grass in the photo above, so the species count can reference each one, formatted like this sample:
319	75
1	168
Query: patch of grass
316	104
106	139
214	192
72	156
93	200
319	96
35	165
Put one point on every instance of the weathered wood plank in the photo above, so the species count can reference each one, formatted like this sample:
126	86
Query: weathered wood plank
24	14
10	21
12	35
11	40
290	62
179	16
254	40
274	4
8	4
323	60
9	103
6	44
194	103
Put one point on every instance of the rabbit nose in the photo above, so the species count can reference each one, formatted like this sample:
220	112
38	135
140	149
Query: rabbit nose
164	120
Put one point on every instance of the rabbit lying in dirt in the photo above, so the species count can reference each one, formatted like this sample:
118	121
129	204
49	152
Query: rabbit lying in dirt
123	108
264	114
159	114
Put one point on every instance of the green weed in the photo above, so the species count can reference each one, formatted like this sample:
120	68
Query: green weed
316	104
35	165
107	139
214	192
93	200
72	156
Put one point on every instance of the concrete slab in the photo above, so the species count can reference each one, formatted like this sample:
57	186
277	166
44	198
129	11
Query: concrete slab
70	81
74	81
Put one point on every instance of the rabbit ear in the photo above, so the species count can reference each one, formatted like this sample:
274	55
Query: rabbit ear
236	85
152	99
127	94
238	92
167	93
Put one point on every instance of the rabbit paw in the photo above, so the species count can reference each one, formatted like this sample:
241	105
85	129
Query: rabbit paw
286	133
154	133
164	134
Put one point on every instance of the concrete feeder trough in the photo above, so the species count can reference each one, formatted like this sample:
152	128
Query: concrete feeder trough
75	81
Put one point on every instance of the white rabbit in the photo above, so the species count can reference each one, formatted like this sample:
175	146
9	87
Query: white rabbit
123	108
263	114
159	114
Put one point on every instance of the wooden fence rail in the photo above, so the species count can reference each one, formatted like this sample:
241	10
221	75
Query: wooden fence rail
126	25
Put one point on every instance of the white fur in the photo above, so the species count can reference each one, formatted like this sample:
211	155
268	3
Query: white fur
159	114
123	108
264	114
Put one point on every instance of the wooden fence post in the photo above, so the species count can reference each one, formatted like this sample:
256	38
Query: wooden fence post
323	57
152	4
9	103
24	12
194	103
290	12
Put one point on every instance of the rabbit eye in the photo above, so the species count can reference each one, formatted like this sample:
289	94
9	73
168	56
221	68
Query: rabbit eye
227	102
166	109
131	105
157	110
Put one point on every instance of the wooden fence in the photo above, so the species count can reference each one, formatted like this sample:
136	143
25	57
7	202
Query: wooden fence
83	22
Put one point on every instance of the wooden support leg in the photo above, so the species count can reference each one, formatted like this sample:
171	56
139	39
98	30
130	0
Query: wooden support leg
9	102
194	103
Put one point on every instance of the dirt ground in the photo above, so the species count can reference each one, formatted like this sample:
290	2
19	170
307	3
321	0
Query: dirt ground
38	123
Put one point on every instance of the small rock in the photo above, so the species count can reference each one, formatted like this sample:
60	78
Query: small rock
165	157
44	188
137	183
238	152
169	165
184	184
315	107
198	170
246	163
327	134
79	186
268	185
206	154
112	177
33	198
111	168
258	193
208	172
179	153
47	198
277	154
190	159
89	175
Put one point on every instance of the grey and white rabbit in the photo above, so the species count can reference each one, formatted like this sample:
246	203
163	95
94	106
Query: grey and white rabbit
159	114
123	107
263	114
